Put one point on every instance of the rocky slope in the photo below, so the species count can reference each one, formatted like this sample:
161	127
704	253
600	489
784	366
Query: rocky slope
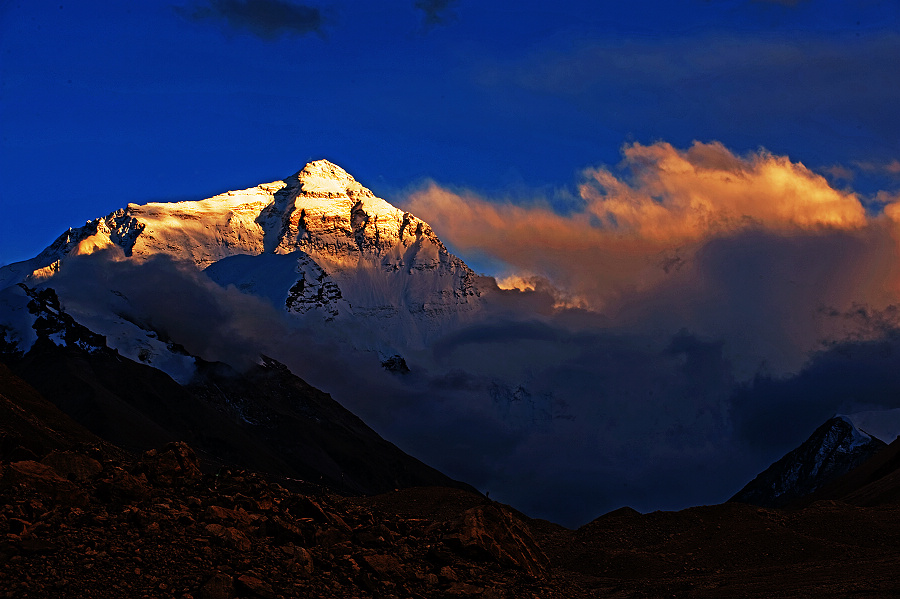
834	449
874	482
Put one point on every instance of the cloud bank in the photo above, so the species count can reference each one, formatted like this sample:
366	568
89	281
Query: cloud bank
753	248
700	313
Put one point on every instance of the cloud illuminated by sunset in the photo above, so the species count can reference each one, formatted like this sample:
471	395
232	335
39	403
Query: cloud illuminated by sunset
666	196
675	196
653	231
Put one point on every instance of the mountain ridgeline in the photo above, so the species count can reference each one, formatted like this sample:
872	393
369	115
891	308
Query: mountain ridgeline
263	418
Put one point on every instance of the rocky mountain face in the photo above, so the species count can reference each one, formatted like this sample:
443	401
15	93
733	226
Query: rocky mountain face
834	449
875	482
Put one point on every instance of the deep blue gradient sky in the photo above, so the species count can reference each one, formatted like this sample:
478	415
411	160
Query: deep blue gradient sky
104	103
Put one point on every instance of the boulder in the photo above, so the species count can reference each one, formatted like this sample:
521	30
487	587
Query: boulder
73	465
229	536
251	586
173	464
491	531
219	586
43	479
120	485
385	566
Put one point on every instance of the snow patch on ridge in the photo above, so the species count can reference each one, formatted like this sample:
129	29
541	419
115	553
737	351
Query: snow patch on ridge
881	424
139	344
858	437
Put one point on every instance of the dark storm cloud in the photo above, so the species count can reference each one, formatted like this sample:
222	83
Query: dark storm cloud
774	414
266	19
435	10
597	418
830	87
567	420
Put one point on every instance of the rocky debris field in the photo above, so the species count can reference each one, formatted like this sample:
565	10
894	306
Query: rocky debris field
77	524
89	523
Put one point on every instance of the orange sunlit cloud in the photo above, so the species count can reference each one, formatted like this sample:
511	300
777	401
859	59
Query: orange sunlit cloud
677	195
699	237
891	167
635	229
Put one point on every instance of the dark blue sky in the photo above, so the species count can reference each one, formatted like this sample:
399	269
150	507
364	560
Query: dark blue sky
104	103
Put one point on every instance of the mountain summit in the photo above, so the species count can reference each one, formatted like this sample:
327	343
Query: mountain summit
320	209
317	245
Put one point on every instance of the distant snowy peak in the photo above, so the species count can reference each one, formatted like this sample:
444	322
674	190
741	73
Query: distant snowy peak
831	451
881	424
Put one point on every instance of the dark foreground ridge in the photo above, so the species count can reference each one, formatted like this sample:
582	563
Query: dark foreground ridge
264	418
80	517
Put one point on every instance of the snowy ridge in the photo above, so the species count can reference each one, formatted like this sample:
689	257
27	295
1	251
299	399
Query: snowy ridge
321	210
857	436
881	424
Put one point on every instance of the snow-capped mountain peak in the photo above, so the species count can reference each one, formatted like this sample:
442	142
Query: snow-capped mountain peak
327	179
324	211
317	245
858	437
835	448
321	210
